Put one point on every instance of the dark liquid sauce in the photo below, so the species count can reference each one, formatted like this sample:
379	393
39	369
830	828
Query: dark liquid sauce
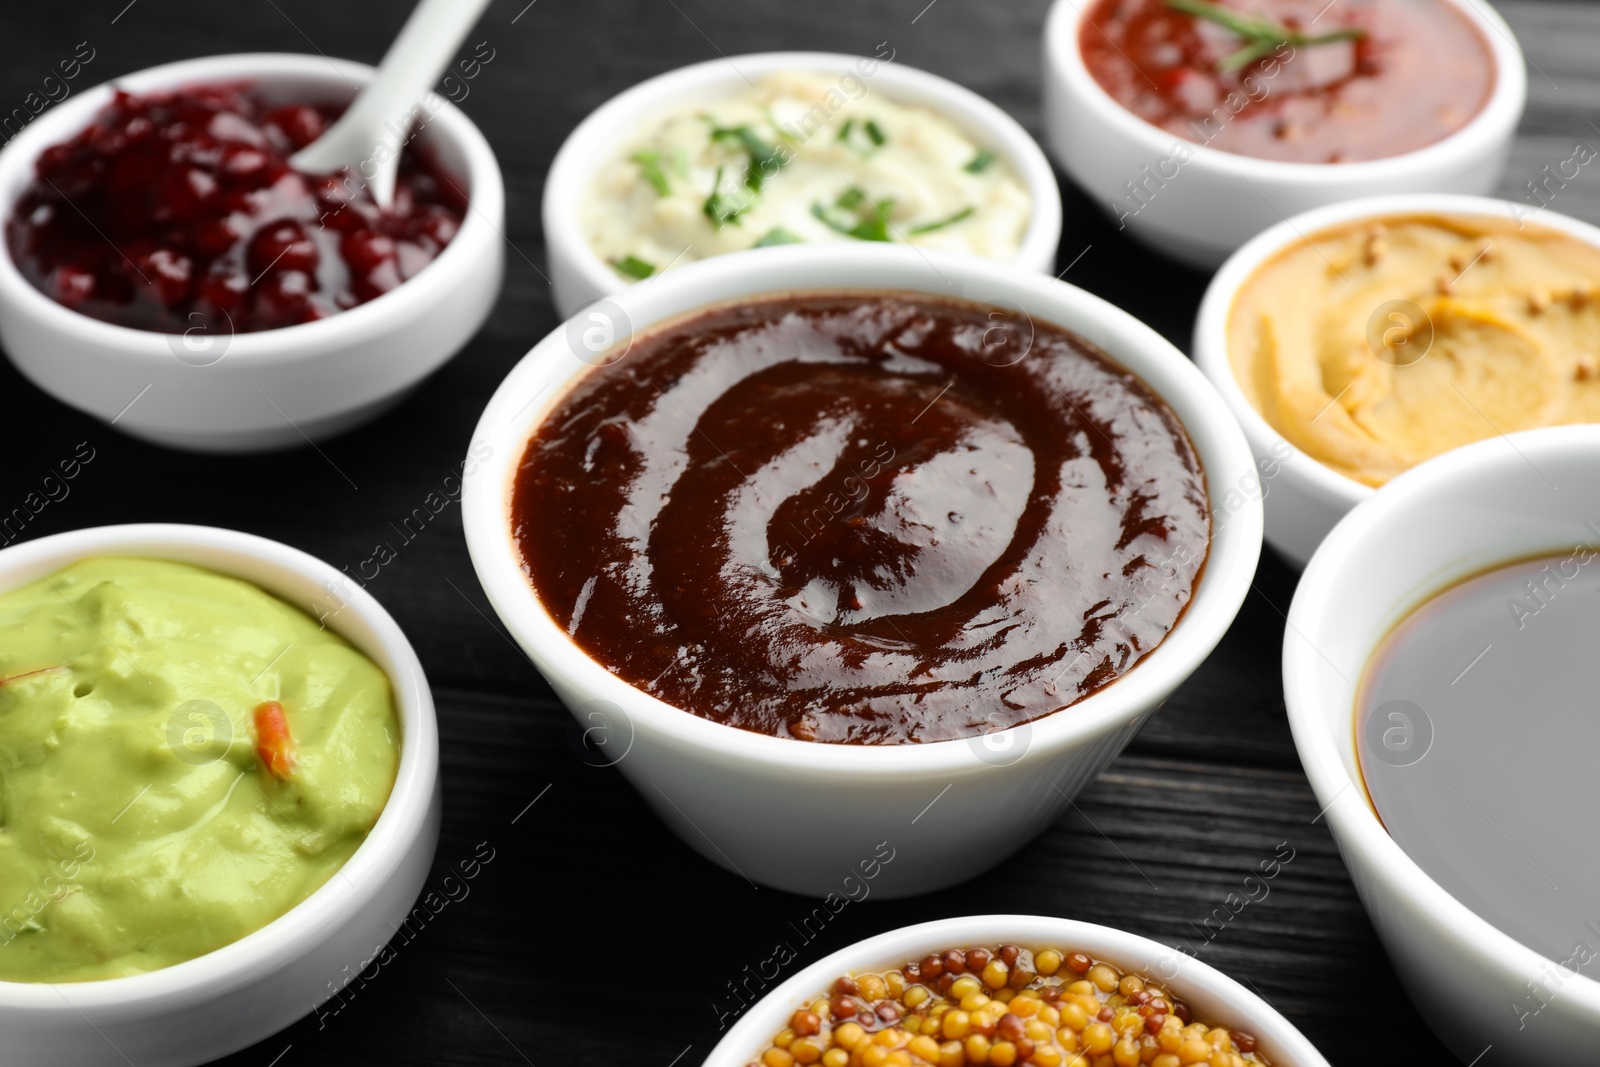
1420	73
1479	736
873	518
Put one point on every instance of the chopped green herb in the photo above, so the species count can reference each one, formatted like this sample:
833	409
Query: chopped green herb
869	225
765	160
980	162
851	198
876	227
778	236
633	267
929	227
650	169
831	218
1263	36
720	207
870	130
680	163
783	132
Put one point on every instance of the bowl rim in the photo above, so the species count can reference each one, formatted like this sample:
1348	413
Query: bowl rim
582	153
1210	341
759	1021
1357	829
285	344
517	407
348	889
1495	120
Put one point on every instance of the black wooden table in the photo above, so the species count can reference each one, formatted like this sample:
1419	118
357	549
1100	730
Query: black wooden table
532	959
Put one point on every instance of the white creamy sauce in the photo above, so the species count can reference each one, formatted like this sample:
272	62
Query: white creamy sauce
795	147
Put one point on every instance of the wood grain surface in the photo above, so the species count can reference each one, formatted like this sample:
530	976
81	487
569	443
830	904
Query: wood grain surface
593	937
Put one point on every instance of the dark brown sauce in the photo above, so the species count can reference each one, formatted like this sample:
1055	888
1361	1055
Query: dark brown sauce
1477	734
867	518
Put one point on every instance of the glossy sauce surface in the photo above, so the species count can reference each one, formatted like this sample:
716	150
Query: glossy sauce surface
180	211
1478	729
1420	72
864	518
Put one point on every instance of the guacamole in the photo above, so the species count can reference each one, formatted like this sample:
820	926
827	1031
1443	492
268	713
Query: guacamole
183	758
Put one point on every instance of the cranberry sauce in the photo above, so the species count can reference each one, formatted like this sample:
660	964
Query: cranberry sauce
173	210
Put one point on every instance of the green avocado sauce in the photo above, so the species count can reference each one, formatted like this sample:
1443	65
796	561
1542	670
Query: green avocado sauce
138	825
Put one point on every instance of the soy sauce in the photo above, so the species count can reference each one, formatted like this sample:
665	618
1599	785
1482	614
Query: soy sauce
1478	728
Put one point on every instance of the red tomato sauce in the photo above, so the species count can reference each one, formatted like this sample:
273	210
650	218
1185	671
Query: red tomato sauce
1420	71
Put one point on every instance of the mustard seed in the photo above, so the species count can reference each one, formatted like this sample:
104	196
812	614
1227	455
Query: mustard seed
1004	1007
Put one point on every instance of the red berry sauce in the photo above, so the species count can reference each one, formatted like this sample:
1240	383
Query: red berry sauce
174	210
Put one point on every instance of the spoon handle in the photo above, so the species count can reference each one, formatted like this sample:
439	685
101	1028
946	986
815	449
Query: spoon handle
369	135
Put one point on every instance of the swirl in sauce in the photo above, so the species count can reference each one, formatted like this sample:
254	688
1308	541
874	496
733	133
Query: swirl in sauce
868	518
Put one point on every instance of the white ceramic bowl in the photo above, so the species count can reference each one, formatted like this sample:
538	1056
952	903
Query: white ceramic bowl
1214	996
1211	204
1486	504
952	808
207	1007
274	388
1305	497
579	276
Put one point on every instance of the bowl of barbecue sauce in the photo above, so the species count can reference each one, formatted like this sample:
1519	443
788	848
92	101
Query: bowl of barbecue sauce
818	533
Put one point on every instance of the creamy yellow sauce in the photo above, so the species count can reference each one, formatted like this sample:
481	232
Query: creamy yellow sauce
1373	346
801	157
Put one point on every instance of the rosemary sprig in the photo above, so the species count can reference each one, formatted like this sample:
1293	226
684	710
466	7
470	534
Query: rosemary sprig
1263	36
